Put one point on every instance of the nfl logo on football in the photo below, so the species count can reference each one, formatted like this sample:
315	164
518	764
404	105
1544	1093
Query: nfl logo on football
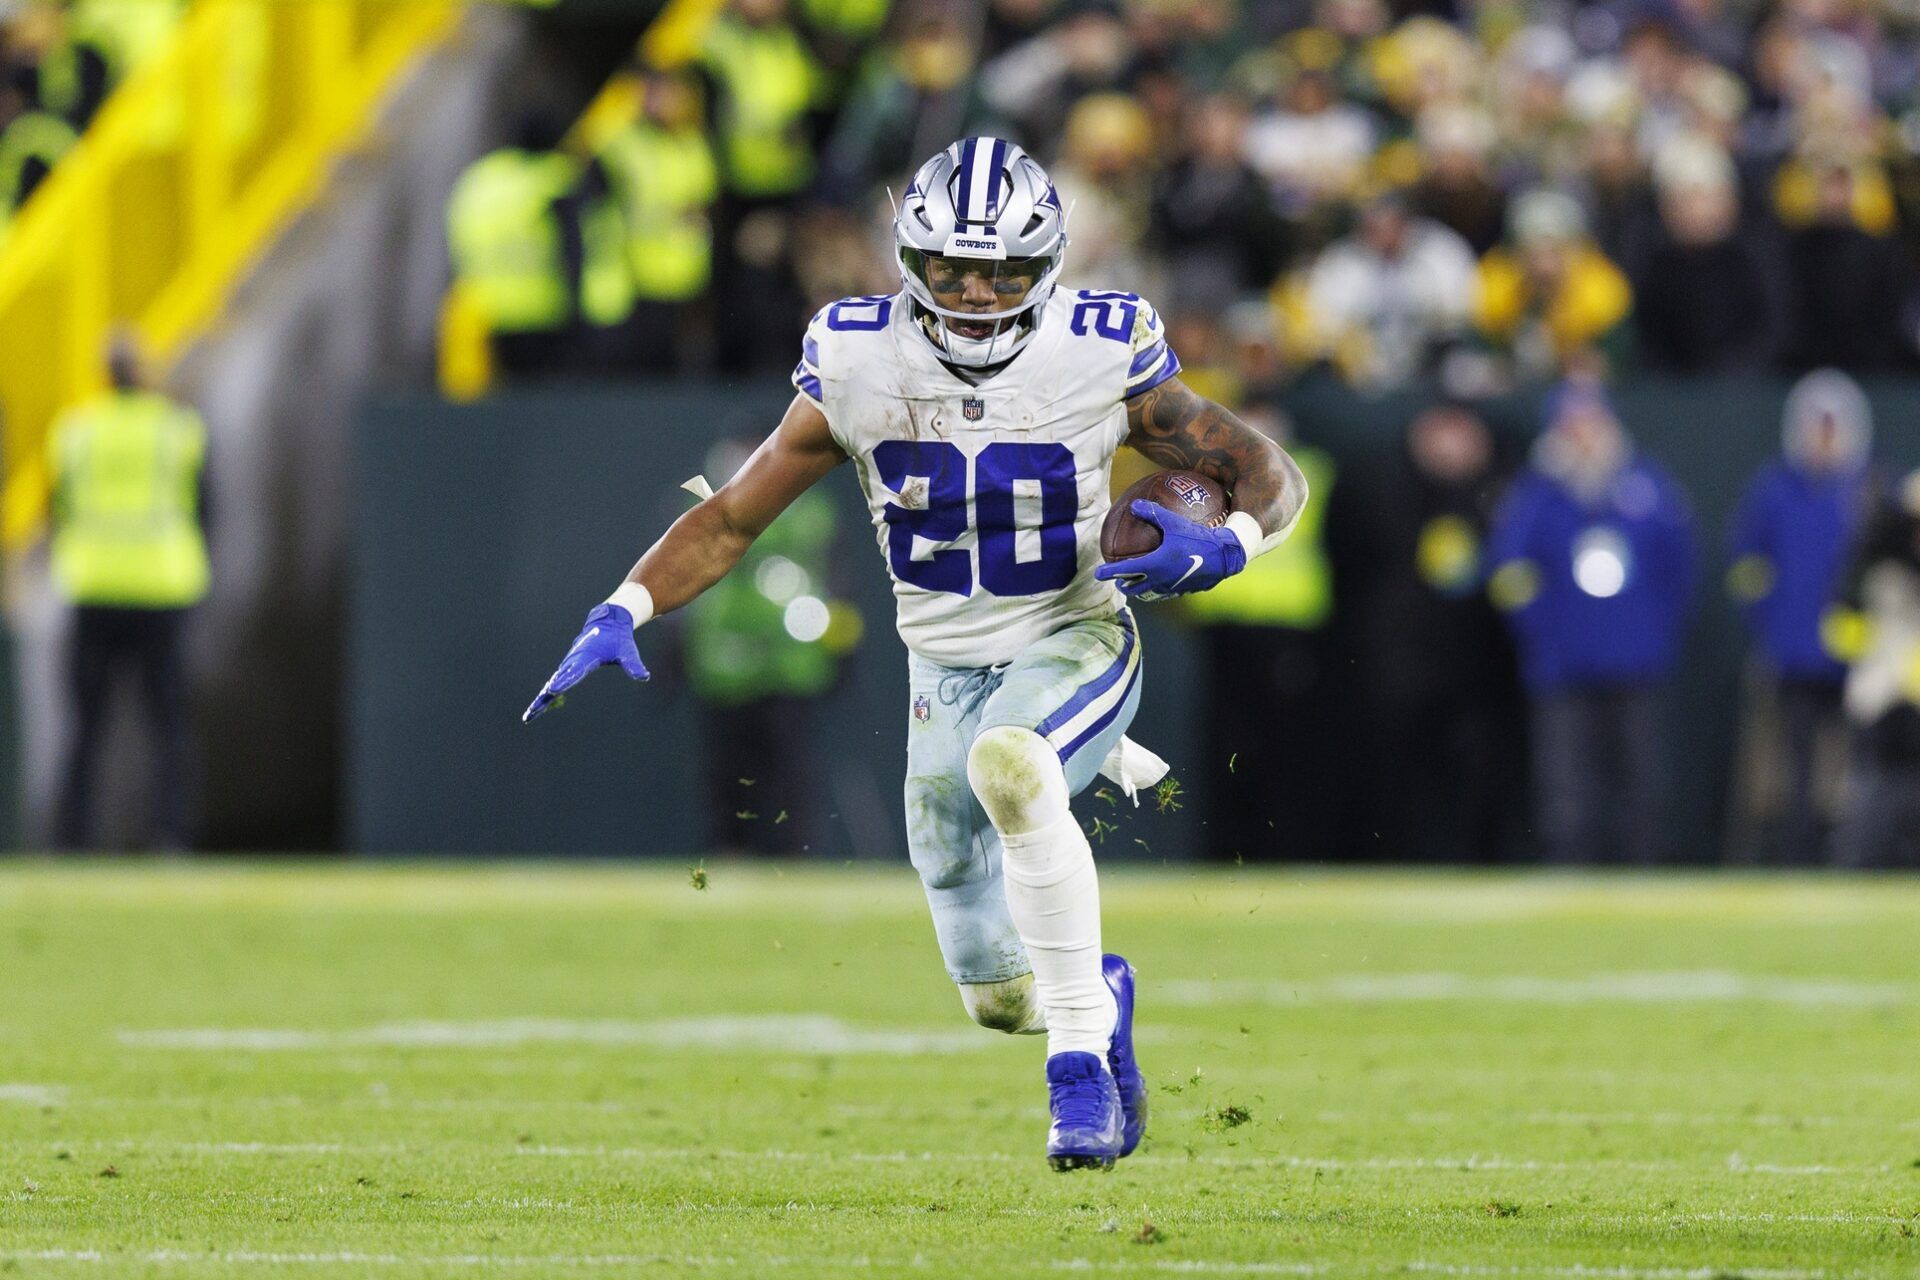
1190	493
922	709
974	408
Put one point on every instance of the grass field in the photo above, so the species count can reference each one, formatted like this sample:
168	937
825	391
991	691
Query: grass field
564	1070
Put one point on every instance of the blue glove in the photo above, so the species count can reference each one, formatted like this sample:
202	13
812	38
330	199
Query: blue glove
1191	557
605	640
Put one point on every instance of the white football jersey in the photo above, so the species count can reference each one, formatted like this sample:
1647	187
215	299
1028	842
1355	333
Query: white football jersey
987	500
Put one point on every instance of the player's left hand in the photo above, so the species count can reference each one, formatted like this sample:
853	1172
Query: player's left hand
1191	557
605	640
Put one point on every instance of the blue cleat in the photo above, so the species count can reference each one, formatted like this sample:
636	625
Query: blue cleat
1127	1076
1086	1113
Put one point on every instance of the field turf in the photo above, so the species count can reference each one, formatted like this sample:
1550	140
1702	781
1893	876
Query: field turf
570	1070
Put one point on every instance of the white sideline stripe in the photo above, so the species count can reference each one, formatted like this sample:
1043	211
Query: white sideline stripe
1695	986
1618	1273
893	1111
1728	1215
1476	1163
780	1033
1195	1266
1655	1119
33	1095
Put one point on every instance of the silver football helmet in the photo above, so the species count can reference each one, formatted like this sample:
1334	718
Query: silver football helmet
987	206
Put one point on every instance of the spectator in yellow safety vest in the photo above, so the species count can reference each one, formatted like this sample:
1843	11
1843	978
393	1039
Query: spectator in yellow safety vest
649	229
32	141
130	557
514	236
764	87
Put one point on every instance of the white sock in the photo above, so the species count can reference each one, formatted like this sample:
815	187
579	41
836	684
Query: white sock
1053	890
1053	895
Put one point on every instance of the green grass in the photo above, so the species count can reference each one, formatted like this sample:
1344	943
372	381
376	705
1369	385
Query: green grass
565	1070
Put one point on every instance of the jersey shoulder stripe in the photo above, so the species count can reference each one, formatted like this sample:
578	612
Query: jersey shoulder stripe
806	374
1153	360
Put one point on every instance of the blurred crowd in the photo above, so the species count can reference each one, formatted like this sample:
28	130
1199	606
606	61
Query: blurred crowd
1467	195
59	59
1462	201
1455	200
1465	624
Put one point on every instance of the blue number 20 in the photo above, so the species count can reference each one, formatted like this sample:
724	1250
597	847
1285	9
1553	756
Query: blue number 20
1111	313
943	517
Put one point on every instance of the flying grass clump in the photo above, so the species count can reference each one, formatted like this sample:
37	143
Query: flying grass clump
1166	795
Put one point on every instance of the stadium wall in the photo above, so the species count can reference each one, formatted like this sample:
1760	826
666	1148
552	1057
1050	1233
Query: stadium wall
481	535
483	532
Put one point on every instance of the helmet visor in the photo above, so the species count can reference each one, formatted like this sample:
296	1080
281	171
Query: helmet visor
982	288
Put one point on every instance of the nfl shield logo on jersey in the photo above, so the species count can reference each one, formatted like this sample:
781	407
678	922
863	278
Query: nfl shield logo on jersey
922	709
974	408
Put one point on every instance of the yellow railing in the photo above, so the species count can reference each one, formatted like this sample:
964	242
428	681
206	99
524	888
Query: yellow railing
184	178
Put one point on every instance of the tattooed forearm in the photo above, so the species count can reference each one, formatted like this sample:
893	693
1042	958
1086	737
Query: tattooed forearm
1176	428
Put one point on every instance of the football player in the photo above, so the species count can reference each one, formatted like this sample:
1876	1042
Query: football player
981	407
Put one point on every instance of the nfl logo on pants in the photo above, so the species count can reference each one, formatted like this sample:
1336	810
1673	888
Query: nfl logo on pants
974	408
922	710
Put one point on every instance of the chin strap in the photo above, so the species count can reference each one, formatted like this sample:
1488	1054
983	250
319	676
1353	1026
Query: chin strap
934	329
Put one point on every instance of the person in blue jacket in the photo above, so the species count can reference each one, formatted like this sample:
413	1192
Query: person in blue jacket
1593	567
1789	547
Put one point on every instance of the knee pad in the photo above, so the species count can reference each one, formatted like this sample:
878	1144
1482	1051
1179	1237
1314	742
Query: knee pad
1008	1006
1018	779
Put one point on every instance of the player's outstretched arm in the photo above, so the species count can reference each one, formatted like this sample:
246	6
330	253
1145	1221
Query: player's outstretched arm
1181	430
709	540
699	548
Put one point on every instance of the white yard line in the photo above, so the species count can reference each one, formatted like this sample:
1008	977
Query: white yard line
779	1033
1421	1267
286	1148
33	1095
861	1262
1694	986
1726	1215
349	1258
1446	1164
1200	1266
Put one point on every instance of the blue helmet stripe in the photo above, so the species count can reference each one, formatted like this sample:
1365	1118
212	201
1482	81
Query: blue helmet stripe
965	190
994	169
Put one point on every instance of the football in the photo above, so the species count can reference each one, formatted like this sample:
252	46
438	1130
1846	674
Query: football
1125	535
